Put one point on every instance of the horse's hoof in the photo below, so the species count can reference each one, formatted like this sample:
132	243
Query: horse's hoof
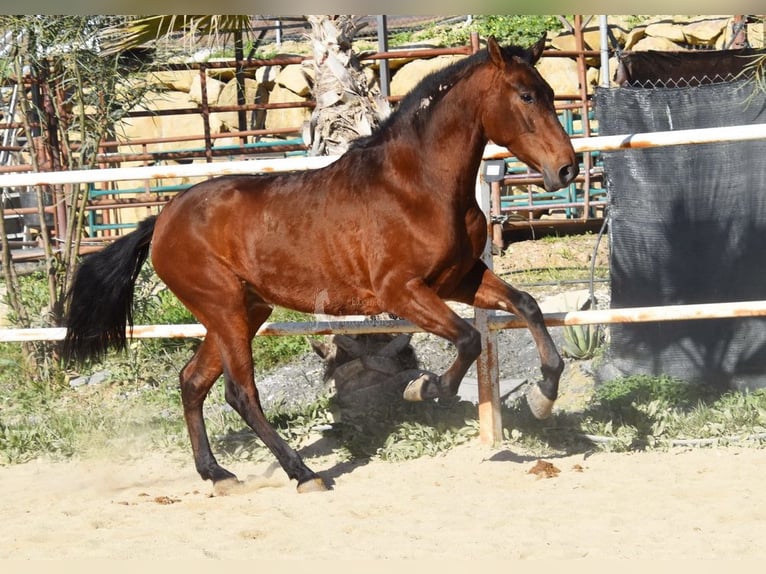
312	485
422	388
226	486
540	405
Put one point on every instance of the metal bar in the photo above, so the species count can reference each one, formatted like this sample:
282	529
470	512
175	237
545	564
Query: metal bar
745	132
492	151
384	73
205	114
604	49
496	322
166	171
493	321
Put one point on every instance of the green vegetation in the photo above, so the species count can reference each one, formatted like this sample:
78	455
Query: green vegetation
523	30
582	341
649	412
137	407
517	29
642	412
49	413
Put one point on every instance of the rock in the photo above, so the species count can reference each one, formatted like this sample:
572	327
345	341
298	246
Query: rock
614	64
213	88
363	370
409	75
177	80
656	43
632	37
620	27
287	117
667	31
396	63
591	37
704	32
592	76
228	97
564	42
297	78
561	74
94	379
266	75
181	125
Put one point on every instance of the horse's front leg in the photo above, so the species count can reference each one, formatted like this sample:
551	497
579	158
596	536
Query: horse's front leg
482	288
420	304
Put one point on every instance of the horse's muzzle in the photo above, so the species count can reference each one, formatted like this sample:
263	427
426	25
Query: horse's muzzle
561	178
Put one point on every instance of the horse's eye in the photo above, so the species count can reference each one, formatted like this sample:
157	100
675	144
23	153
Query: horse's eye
527	98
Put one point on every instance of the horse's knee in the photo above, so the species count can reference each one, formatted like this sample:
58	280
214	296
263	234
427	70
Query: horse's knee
528	306
469	345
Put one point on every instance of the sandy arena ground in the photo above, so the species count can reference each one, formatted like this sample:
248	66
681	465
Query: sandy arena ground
474	503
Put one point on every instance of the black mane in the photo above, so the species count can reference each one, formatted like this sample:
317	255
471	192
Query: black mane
410	111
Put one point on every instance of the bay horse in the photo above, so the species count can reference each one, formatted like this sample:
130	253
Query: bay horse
391	226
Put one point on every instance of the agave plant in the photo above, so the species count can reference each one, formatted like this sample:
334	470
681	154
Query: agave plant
582	341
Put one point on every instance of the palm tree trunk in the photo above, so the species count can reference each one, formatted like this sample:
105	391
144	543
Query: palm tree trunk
346	107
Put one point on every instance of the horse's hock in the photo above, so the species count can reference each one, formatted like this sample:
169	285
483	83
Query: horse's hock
363	371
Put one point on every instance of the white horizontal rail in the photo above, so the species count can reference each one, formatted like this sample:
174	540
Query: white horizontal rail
604	143
495	322
166	171
745	132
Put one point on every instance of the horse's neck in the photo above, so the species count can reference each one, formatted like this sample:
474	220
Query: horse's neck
455	138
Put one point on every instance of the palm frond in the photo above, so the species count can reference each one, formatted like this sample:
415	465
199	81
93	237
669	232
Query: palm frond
142	30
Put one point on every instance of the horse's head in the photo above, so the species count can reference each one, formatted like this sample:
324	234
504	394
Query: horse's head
519	115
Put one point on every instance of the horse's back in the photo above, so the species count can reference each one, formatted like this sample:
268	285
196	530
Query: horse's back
289	237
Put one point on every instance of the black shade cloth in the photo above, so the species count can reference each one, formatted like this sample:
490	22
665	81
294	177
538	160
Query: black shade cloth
655	69
688	225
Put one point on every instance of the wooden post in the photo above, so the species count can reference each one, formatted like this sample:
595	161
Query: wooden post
487	369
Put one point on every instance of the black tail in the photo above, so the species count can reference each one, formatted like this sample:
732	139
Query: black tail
100	300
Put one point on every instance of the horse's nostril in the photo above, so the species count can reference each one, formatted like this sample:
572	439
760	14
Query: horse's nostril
568	173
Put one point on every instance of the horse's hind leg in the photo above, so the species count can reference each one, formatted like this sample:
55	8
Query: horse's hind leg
233	335
197	377
482	288
232	314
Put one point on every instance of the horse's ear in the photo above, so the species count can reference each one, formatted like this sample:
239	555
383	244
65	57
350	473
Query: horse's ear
537	50
495	53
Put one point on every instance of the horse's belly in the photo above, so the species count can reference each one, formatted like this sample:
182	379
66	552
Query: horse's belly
310	282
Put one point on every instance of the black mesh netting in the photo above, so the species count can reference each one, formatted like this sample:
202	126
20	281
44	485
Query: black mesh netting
655	69
688	225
